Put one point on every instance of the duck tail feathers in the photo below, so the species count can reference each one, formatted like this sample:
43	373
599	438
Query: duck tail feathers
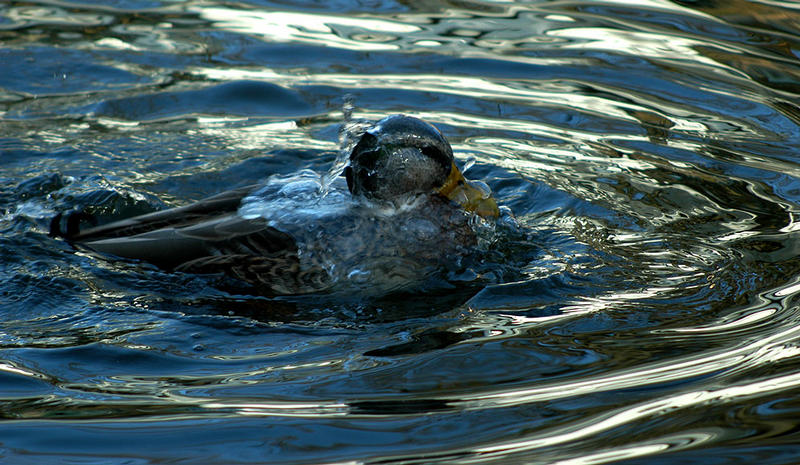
67	225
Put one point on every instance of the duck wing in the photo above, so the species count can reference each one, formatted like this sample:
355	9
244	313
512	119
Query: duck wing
225	203
247	250
200	237
174	245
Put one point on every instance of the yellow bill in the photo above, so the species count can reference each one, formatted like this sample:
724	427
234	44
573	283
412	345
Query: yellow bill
471	196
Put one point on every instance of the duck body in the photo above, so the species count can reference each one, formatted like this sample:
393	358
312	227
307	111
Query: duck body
374	230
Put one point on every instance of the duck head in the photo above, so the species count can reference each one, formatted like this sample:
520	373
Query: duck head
402	155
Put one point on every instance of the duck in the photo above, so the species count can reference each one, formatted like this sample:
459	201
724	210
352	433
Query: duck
398	210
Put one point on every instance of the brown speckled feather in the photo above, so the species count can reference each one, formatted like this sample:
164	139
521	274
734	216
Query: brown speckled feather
396	226
207	237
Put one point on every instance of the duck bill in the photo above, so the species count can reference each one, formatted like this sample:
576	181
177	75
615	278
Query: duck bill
471	196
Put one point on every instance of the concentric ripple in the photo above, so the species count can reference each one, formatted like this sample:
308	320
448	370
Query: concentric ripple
638	304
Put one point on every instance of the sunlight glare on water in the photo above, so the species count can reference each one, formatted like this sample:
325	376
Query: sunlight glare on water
636	303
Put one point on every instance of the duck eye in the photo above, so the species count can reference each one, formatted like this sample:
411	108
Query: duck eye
436	154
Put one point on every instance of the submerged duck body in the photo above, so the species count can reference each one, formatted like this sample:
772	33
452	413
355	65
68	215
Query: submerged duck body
402	211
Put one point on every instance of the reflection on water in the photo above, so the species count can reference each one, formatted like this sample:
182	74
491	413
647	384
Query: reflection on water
643	309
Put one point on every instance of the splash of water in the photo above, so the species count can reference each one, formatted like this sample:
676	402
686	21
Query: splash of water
349	134
299	198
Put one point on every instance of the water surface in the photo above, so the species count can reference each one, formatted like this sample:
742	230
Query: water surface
645	311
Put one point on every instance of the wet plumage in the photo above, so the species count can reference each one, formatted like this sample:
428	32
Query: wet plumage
405	211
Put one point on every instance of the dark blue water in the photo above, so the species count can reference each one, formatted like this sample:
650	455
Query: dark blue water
644	311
